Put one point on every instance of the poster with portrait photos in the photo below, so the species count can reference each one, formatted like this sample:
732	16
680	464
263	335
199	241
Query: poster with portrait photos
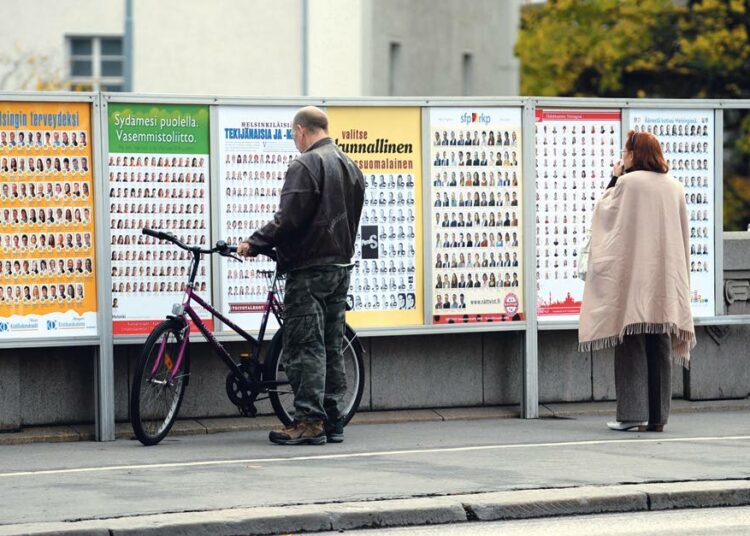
687	140
47	246
256	148
386	282
158	172
477	215
575	152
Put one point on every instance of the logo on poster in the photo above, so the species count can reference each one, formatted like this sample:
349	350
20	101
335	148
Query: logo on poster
474	117
4	327
370	242
51	325
511	304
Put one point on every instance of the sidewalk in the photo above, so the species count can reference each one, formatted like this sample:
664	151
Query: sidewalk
402	468
186	427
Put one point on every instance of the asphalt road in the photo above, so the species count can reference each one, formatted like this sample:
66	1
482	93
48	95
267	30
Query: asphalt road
87	480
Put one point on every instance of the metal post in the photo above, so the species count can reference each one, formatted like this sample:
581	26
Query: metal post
720	307
128	45
305	47
104	355
530	395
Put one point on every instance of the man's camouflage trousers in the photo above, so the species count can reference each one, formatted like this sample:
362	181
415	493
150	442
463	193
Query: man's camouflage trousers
314	308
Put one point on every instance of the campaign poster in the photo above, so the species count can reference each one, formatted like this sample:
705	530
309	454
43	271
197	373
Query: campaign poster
48	258
687	140
386	283
575	152
476	169
256	147
158	179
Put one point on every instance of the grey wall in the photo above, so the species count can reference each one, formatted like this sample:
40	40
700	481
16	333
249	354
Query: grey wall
434	35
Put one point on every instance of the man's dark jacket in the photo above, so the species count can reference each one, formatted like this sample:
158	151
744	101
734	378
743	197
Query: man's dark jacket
318	216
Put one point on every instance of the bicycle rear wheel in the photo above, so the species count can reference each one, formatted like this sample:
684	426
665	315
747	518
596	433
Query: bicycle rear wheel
155	398
282	397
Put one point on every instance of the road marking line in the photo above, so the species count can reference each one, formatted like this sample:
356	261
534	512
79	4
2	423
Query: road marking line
373	454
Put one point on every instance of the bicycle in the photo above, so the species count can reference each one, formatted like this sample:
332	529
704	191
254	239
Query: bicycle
162	373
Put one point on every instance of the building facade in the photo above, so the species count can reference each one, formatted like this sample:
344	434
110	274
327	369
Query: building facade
333	48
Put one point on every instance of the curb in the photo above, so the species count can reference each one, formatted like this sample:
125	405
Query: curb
493	506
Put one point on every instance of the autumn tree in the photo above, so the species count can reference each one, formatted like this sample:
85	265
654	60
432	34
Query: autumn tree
649	48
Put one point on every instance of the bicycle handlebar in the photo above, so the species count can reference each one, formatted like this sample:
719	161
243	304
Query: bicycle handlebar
221	247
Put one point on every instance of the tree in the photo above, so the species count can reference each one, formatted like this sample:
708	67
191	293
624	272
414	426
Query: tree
650	48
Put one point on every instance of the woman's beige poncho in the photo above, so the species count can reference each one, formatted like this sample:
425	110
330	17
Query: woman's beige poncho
638	277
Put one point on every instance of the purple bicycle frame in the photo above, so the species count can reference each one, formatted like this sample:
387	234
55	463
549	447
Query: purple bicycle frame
271	305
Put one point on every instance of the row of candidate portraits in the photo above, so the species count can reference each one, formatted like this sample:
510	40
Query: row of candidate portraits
39	294
42	139
47	216
26	191
466	136
44	165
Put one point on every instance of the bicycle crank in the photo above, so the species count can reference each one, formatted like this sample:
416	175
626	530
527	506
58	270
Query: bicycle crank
238	391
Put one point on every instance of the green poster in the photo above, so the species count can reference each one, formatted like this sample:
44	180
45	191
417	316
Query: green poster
158	128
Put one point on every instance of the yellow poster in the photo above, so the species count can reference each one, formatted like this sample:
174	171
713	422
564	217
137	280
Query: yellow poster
386	284
47	243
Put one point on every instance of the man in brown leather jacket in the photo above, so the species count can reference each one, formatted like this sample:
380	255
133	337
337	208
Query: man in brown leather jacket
313	233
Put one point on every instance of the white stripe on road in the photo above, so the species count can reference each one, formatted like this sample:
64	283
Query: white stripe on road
382	453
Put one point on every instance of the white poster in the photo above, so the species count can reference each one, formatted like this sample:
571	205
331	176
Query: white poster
256	147
575	152
687	140
477	215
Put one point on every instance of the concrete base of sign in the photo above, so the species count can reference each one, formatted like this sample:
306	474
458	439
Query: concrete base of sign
564	373
502	367
720	367
10	391
418	371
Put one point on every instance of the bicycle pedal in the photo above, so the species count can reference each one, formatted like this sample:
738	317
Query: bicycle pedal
249	410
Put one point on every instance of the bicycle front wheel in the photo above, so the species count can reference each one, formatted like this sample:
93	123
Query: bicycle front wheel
282	396
158	388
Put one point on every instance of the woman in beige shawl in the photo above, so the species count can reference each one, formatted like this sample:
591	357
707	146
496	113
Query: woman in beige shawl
637	293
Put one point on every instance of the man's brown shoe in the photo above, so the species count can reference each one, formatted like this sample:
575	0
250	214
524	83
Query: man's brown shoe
300	433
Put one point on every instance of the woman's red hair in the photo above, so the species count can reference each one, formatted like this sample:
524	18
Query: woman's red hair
647	155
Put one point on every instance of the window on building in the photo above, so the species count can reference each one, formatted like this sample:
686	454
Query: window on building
394	68
96	63
467	74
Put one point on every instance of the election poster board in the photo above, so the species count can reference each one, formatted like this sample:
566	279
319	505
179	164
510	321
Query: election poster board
256	147
159	179
575	152
687	140
477	218
385	143
48	258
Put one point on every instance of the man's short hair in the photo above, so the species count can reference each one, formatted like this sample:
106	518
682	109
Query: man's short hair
311	118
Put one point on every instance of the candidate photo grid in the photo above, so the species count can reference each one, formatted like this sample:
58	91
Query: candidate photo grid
574	165
688	151
476	211
164	193
251	186
45	189
383	277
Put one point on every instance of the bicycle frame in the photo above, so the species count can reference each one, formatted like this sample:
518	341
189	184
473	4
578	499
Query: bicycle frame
272	305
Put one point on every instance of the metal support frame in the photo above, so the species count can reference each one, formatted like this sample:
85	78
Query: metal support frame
105	368
530	392
104	341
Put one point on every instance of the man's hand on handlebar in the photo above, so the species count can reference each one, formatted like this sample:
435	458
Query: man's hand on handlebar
245	249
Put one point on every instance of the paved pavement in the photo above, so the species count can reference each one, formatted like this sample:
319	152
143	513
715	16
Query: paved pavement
383	475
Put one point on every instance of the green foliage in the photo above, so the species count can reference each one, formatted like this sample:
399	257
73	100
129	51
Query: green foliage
647	48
